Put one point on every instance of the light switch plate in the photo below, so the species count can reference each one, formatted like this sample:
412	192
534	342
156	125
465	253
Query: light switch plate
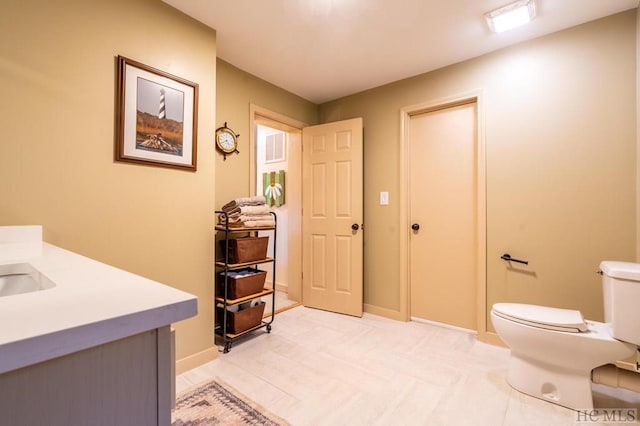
384	198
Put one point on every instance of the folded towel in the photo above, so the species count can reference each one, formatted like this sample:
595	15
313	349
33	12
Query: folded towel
245	201
262	209
238	217
259	223
253	224
244	217
253	210
233	211
247	213
251	201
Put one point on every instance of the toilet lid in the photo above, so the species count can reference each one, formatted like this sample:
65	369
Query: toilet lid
542	316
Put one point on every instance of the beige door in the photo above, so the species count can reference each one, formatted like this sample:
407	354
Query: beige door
332	210
443	204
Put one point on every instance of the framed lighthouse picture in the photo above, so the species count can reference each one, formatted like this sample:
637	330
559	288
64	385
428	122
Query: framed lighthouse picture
156	117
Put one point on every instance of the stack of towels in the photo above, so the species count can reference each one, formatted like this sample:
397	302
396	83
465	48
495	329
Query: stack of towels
248	212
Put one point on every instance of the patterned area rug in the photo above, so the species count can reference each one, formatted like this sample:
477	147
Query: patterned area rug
216	403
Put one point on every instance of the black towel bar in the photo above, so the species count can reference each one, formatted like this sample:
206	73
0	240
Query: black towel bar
508	258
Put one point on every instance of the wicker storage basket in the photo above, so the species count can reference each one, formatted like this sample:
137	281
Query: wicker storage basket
243	320
246	249
241	286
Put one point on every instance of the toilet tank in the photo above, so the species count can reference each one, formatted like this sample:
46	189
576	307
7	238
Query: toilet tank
621	289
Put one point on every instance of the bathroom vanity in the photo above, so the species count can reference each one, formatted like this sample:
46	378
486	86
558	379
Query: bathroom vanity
82	342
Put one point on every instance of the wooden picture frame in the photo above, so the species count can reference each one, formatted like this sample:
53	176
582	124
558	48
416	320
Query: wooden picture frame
156	117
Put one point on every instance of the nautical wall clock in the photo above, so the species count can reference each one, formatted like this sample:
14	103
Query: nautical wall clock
226	140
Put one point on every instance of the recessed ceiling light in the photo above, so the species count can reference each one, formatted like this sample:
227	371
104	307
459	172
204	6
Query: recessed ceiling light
511	16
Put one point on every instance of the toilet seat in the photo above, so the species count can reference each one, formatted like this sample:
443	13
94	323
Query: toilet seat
566	320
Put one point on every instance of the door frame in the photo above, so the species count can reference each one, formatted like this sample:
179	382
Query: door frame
264	116
481	225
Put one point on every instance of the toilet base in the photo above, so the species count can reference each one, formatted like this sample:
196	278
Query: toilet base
569	388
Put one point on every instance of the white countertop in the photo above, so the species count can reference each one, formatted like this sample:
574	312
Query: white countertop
91	304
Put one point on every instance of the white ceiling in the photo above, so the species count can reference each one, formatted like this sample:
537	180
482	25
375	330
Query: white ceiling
325	49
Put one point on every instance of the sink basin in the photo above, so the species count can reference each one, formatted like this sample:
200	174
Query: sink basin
18	278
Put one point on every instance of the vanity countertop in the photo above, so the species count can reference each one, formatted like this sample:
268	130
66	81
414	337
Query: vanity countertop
91	304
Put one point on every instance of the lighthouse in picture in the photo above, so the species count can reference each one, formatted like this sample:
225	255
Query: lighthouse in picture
161	112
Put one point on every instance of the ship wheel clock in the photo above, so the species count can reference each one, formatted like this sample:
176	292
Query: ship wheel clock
226	140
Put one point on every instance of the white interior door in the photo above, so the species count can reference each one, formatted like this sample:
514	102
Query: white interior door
444	207
332	217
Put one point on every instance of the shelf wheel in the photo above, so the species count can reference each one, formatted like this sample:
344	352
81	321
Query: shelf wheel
268	328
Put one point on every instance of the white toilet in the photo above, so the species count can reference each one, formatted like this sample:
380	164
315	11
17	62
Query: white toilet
554	350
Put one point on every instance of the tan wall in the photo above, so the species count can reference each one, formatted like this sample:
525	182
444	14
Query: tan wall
57	85
560	121
236	90
637	135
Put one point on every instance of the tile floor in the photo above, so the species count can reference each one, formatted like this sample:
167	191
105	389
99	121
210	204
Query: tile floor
321	368
282	303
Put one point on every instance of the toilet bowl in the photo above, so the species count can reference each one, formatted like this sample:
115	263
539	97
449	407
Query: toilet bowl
554	350
553	364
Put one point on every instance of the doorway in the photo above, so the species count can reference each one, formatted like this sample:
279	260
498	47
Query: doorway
281	136
444	246
333	258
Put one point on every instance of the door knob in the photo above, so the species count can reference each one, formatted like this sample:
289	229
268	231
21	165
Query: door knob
415	226
355	227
